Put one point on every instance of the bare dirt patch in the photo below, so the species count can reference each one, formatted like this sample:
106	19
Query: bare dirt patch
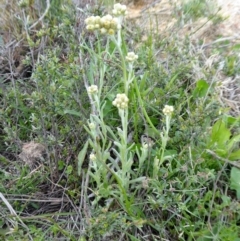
165	14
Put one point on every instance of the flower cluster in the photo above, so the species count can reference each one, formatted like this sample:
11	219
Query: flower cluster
92	157
106	24
119	10
168	110
93	89
121	101
23	3
92	126
131	57
93	22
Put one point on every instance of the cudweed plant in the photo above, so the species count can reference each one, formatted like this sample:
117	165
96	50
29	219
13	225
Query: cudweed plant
112	157
167	111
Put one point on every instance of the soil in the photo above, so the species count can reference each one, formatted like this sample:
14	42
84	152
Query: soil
165	13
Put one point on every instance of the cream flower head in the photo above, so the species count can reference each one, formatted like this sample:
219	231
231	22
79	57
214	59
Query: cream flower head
106	24
121	101
131	57
92	126
93	23
119	10
93	89
168	110
109	23
92	157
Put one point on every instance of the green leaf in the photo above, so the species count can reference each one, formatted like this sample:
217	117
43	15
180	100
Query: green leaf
150	132
132	238
220	134
69	169
61	165
104	192
142	81
201	89
81	157
234	155
231	64
233	141
226	200
204	238
232	121
139	179
235	180
236	47
72	112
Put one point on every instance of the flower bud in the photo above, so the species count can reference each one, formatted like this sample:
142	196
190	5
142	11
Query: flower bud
92	157
131	57
168	110
121	101
93	89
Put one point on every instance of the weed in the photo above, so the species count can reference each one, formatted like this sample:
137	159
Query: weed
103	138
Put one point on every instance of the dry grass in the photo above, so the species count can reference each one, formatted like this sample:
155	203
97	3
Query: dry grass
162	15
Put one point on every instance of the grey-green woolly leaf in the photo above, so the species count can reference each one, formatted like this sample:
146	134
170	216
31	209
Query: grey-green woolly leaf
120	132
116	153
87	130
130	147
111	132
73	112
118	144
81	157
91	143
106	155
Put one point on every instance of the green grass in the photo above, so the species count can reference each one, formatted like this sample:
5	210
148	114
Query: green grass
104	173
